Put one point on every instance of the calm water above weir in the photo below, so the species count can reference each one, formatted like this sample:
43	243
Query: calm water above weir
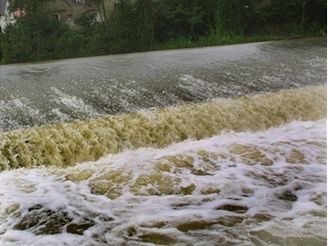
36	94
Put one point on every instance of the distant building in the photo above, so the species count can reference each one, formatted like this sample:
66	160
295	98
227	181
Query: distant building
67	11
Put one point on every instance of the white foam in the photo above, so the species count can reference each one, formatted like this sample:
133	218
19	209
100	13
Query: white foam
73	103
199	88
18	112
290	193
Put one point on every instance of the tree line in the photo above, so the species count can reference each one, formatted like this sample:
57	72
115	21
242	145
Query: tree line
141	25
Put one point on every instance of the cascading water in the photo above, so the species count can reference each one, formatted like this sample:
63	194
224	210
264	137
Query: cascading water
241	170
69	143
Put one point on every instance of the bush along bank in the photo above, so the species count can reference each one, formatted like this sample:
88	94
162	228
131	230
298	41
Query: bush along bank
142	25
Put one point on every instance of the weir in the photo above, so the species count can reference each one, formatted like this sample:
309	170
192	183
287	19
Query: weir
210	146
70	143
66	90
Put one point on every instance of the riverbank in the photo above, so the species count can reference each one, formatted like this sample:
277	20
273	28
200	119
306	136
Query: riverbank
217	40
143	25
185	43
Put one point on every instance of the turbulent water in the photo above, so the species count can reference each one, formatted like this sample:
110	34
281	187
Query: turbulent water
68	143
264	188
214	146
59	91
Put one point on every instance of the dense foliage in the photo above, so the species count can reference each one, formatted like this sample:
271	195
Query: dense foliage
141	25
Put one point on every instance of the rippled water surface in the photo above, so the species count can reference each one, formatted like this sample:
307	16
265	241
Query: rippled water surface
211	146
59	91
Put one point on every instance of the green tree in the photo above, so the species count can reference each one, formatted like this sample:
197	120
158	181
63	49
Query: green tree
143	16
32	38
29	6
123	28
186	18
315	14
233	16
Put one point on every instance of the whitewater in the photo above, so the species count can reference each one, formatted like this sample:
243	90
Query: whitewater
231	150
246	188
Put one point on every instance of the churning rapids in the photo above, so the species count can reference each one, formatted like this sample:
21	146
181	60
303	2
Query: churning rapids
211	146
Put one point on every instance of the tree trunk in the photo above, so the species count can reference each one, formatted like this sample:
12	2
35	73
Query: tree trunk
103	10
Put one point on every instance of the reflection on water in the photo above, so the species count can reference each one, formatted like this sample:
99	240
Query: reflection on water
89	87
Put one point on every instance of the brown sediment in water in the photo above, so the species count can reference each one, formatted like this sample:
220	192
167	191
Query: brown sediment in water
176	173
66	144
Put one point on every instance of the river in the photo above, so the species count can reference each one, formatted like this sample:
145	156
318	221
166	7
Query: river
36	94
209	146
